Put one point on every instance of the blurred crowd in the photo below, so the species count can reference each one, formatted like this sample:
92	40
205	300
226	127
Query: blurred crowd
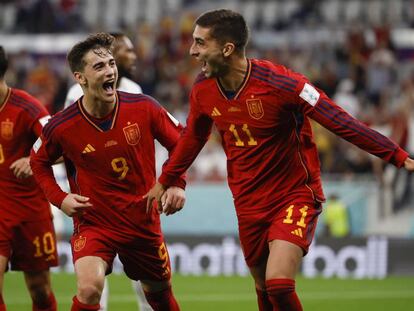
364	72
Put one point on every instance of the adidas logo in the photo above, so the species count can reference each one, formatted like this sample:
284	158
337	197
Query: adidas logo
89	148
215	112
297	232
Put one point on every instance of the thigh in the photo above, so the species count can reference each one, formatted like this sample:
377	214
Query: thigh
146	260
93	242
34	246
284	260
90	270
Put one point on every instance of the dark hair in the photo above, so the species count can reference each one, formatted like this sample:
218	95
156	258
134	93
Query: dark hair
93	42
226	26
4	63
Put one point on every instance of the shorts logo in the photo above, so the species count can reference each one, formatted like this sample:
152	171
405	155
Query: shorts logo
297	232
255	108
7	129
79	243
132	134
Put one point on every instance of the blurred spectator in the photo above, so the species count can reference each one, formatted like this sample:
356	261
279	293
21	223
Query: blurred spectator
336	218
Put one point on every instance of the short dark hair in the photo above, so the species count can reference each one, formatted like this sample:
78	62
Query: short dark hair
4	63
93	42
226	26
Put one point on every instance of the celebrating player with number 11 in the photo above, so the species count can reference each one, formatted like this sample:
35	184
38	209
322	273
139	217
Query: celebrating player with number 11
107	142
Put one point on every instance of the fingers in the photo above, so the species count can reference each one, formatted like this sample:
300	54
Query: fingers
21	168
174	200
75	204
150	199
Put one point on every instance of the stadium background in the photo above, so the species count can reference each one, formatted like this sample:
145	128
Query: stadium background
360	52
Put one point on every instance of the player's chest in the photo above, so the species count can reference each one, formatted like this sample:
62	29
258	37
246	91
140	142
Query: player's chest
89	143
257	114
13	129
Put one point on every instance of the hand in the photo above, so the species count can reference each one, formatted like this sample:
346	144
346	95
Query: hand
409	164
155	193
21	168
74	204
172	201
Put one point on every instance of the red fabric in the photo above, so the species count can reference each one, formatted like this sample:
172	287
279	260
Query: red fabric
267	135
282	294
78	306
50	305
114	168
2	305
263	301
143	255
25	244
162	301
21	199
256	232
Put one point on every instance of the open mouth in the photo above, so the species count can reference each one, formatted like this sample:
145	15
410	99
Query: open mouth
109	87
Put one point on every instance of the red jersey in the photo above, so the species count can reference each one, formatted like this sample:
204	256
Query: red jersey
21	119
111	161
267	136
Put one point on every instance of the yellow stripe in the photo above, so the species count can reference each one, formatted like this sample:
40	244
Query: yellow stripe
3	104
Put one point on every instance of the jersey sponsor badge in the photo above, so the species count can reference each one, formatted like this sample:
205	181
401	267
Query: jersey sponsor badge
37	145
255	108
79	243
7	129
132	134
309	94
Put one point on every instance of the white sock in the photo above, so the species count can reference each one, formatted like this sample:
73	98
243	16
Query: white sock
142	301
104	297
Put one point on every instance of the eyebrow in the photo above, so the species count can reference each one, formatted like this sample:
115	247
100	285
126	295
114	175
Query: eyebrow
99	64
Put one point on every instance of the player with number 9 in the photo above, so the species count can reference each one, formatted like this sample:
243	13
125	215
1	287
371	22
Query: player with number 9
106	139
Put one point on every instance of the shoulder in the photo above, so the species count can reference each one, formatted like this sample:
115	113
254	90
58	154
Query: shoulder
127	85
27	103
61	120
275	75
141	100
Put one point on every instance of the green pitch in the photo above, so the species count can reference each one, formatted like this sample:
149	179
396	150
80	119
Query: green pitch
235	293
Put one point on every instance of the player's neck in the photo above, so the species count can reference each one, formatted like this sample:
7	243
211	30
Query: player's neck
3	91
96	108
234	78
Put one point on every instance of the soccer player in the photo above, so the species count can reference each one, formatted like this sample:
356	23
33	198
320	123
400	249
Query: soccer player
262	112
27	236
125	57
107	141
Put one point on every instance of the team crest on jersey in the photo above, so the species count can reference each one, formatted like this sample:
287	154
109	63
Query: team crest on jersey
132	134
79	243
7	129
255	108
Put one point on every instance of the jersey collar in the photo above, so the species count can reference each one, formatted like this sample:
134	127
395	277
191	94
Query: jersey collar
3	104
91	122
241	87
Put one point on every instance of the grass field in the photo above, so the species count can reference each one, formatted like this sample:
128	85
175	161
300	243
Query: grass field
236	293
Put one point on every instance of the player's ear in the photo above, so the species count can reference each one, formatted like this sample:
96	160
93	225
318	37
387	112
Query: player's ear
80	77
228	49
